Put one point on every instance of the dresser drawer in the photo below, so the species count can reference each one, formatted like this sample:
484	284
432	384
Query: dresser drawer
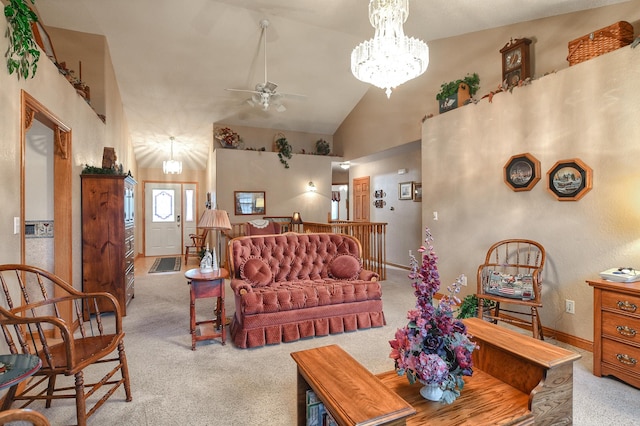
623	356
621	326
621	302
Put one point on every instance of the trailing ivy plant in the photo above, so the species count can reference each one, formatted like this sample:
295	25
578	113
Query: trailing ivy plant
22	54
284	151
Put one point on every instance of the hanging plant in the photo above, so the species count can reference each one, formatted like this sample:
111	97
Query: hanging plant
22	54
284	151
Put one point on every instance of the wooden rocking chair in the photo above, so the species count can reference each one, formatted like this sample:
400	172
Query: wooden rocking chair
512	274
198	242
42	315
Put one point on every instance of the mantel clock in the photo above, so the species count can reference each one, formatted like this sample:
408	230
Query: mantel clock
516	64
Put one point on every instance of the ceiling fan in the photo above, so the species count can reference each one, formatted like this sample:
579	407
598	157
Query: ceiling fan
265	93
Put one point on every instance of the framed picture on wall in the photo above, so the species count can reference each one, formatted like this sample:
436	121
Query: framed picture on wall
417	191
405	190
249	202
522	172
569	180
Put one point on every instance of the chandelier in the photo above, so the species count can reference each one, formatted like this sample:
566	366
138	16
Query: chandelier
390	58
172	167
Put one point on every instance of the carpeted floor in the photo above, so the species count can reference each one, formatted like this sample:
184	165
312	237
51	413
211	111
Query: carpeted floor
166	264
223	385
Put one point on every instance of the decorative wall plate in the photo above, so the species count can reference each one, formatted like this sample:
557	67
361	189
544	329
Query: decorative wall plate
522	172
569	180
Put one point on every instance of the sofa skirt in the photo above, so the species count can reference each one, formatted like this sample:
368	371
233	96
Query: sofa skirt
289	326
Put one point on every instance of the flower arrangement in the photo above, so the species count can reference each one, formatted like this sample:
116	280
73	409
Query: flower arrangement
227	137
433	348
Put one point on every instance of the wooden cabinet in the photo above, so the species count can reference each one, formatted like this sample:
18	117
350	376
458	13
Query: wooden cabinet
108	208
616	330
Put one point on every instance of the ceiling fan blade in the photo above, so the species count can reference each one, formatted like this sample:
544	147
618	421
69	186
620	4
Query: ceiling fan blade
243	90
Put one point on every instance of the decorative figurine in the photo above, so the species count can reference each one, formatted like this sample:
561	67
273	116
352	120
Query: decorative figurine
206	264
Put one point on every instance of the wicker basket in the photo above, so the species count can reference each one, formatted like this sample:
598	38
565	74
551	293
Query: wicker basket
599	42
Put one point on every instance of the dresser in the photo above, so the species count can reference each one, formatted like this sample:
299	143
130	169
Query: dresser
616	330
108	208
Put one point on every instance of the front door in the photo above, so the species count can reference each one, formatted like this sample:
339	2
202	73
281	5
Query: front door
163	221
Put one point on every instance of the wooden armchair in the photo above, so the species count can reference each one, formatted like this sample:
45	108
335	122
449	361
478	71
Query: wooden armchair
29	416
42	315
198	242
512	274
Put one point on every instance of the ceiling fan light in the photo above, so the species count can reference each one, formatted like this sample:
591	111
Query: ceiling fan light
390	58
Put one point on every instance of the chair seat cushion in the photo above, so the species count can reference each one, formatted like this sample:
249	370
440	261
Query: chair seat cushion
518	286
291	295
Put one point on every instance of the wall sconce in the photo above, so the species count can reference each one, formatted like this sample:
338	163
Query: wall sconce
311	187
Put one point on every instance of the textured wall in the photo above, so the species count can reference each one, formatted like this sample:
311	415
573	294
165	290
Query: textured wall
589	111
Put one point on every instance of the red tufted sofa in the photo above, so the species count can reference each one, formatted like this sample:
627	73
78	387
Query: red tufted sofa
292	286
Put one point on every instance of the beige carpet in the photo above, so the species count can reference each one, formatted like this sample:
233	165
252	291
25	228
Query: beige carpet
222	385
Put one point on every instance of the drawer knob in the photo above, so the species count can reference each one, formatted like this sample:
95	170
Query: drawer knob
626	359
626	306
626	331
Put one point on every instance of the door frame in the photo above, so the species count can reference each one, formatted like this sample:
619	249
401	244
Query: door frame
63	187
144	209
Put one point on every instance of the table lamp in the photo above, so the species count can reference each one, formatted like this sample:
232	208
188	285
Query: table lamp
296	219
216	220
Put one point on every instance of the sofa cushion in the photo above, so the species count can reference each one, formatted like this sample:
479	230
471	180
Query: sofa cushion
345	267
256	271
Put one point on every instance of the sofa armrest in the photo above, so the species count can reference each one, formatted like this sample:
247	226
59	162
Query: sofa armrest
240	287
367	275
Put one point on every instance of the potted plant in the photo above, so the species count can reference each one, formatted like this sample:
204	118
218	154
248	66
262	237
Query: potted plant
457	92
22	54
469	306
284	151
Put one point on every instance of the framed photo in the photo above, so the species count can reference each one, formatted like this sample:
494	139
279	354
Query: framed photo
405	190
249	202
569	180
522	172
417	192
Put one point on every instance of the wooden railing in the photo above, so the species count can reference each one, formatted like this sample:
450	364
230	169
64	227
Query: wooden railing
372	237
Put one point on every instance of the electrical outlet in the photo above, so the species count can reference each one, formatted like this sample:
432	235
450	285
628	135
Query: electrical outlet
570	306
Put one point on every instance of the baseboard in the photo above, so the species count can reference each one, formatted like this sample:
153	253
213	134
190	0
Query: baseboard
395	265
560	336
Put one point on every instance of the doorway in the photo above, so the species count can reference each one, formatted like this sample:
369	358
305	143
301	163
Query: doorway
169	217
46	157
361	198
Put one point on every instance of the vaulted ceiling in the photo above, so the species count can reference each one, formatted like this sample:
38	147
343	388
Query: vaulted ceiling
174	59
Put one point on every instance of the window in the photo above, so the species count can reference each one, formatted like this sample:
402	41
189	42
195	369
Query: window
163	200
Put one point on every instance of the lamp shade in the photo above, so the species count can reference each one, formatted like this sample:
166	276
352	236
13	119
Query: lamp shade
296	219
214	219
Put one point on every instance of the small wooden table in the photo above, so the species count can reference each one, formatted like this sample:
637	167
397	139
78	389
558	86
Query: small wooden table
204	286
18	368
